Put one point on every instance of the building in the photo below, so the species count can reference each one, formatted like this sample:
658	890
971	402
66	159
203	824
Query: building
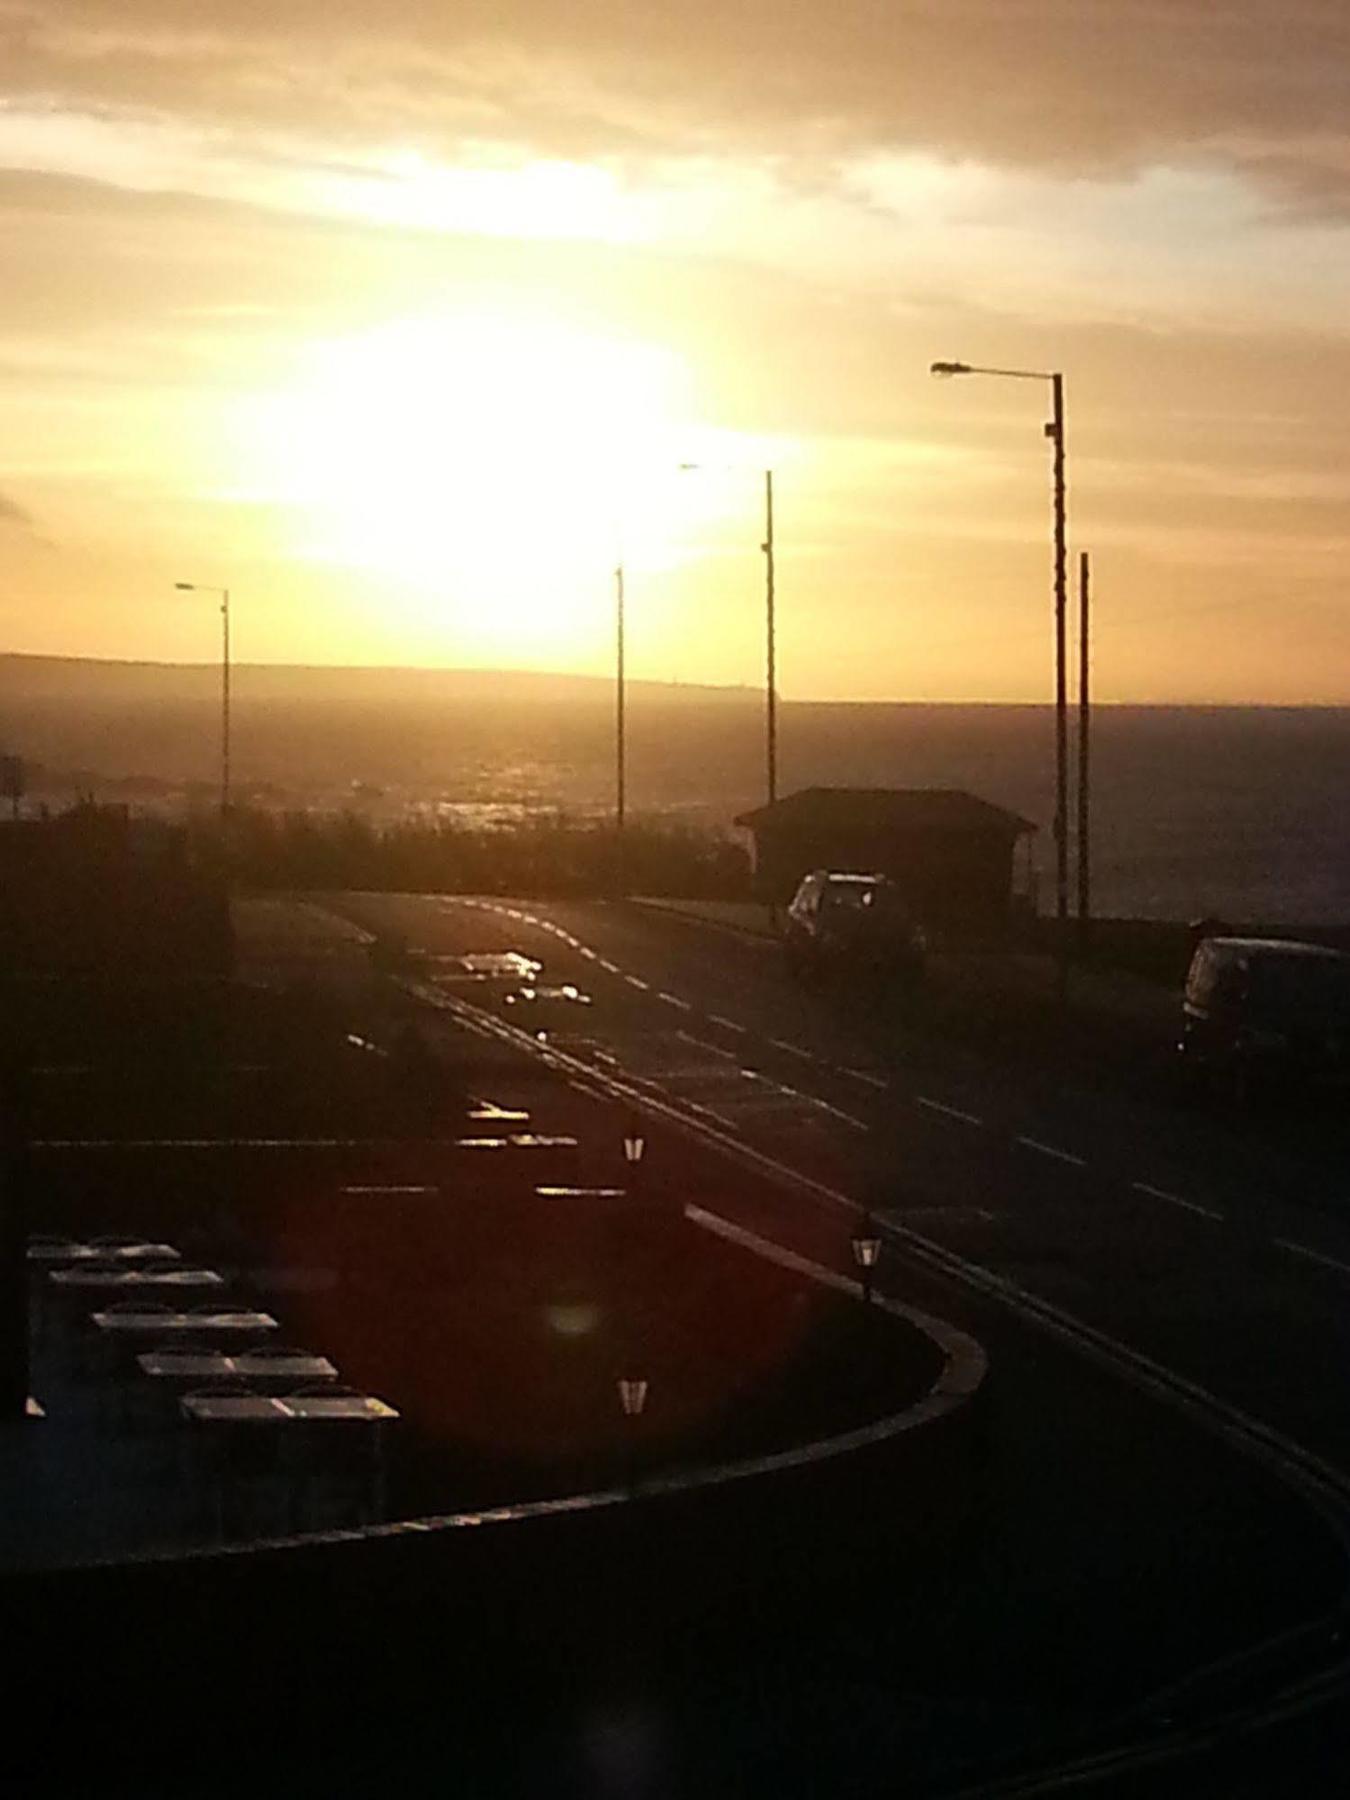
949	852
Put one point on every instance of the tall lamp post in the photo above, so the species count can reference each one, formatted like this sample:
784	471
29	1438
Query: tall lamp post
620	725
197	587
1055	432
770	640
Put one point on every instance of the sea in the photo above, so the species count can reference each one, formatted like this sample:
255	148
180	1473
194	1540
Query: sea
1239	812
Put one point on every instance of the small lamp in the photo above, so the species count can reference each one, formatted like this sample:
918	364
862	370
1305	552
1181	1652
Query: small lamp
867	1253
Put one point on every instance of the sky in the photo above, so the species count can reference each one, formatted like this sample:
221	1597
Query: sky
402	321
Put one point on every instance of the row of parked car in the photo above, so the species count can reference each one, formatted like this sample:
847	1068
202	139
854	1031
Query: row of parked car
1255	1012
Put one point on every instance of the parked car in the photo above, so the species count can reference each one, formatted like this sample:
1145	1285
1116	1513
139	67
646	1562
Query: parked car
1260	1012
844	923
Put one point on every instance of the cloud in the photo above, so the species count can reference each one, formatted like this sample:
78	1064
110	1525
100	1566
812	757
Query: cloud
1054	84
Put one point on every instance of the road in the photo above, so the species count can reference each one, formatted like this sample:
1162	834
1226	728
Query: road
1203	1260
1220	1250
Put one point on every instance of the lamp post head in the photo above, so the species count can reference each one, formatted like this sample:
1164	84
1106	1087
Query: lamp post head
949	368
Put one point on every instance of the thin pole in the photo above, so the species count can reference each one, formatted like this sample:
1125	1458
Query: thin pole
1084	728
224	702
771	682
1056	432
620	747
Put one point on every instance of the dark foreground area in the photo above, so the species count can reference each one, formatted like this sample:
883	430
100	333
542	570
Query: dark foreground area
1023	1578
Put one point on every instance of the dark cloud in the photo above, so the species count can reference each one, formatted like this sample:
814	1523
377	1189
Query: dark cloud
1077	84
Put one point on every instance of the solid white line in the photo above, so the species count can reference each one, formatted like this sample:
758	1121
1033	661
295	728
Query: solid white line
792	1049
1327	1262
725	1023
675	1000
948	1112
1194	1206
862	1075
1064	1156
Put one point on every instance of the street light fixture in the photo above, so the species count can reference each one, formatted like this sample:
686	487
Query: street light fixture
770	638
634	1145
867	1254
197	587
1054	430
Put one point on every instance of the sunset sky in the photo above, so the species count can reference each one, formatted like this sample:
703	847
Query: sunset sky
399	319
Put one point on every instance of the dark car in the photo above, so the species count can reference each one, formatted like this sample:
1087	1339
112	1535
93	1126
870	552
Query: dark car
1262	1012
846	923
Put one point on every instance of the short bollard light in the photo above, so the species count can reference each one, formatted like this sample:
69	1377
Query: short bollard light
867	1253
634	1145
633	1399
632	1396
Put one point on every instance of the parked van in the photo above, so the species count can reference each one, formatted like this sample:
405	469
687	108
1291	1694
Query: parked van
1262	1011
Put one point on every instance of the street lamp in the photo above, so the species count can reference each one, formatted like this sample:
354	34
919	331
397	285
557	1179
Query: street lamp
633	1400
770	639
197	587
634	1145
867	1253
1055	432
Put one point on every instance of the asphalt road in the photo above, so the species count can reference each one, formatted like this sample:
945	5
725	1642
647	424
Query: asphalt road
1216	1245
1205	1258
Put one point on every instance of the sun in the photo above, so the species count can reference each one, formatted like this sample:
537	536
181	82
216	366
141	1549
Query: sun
487	467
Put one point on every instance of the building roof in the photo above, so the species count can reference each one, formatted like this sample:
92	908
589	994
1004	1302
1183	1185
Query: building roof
941	810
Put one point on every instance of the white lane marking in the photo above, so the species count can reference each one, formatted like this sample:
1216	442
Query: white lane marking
675	1000
605	963
703	1044
1064	1156
948	1112
839	1113
1327	1262
390	1188
1193	1206
875	1081
724	1022
587	952
792	1049
637	982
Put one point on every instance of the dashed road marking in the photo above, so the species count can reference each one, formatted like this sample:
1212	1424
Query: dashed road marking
1327	1262
875	1081
1192	1206
724	1022
675	1000
389	1188
703	1044
637	982
1064	1156
839	1113
587	952
605	963
793	1049
948	1112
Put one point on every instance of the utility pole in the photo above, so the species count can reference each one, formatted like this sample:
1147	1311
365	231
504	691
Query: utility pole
620	728
224	703
1055	431
771	694
1084	754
